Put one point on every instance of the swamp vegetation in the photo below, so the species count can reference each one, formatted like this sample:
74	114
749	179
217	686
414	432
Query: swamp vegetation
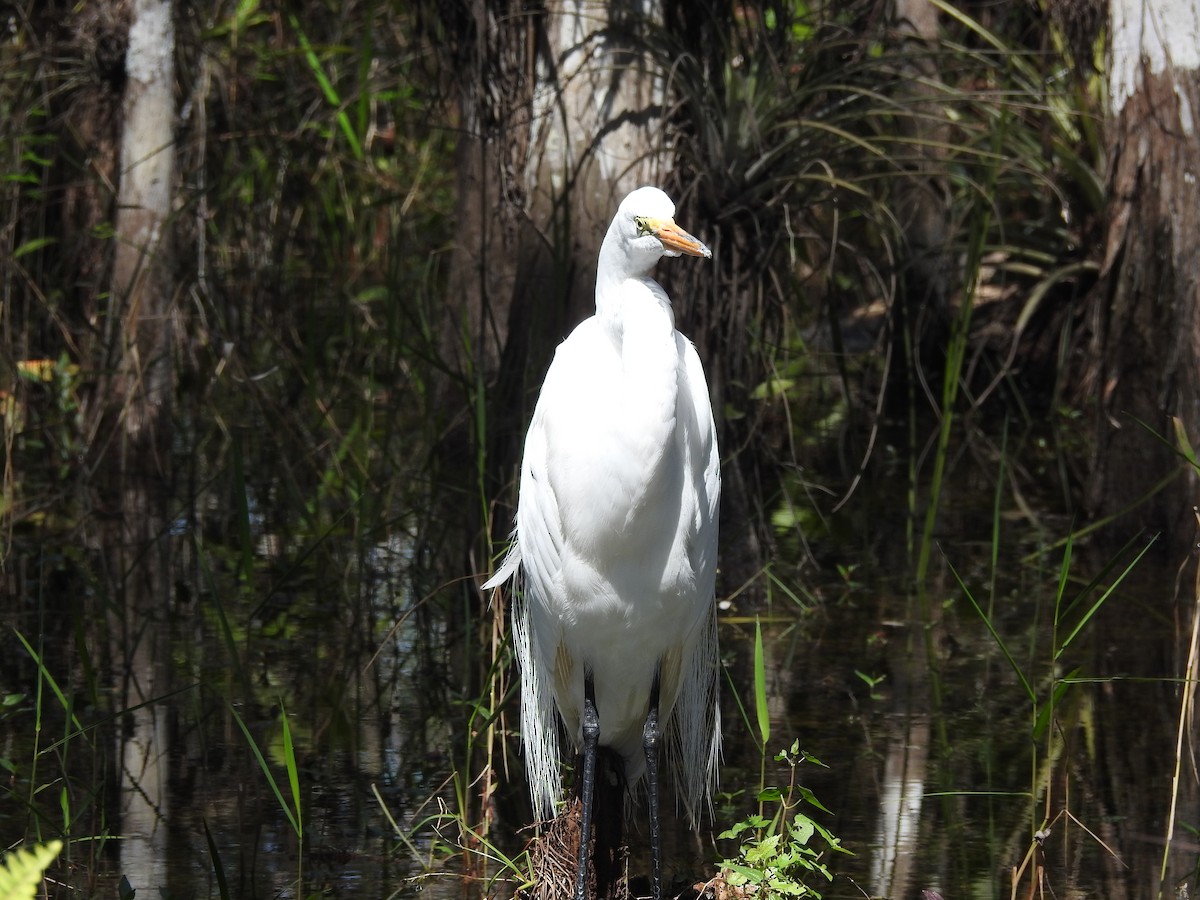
255	474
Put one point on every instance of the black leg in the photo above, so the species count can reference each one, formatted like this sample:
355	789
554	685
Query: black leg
651	738
591	738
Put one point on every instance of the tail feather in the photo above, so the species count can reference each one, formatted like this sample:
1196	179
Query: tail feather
539	719
695	729
508	568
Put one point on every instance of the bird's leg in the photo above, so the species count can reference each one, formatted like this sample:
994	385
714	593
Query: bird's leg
651	738
591	738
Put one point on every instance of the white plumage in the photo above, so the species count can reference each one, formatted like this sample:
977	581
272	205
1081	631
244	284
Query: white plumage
616	529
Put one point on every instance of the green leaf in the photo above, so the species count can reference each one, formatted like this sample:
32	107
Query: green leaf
811	798
987	623
33	246
1095	607
789	887
763	851
775	387
1183	443
265	768
760	685
217	866
22	869
745	873
293	770
802	829
327	88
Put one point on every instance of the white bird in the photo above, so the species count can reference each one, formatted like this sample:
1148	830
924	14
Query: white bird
616	535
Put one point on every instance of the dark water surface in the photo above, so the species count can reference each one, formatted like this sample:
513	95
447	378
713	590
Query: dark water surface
941	761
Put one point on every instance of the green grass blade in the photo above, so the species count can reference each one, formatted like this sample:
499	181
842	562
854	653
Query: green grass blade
32	246
266	769
735	691
1095	607
1064	569
1101	577
760	686
1046	713
218	866
1183	443
1064	573
327	88
293	772
995	634
49	679
1182	447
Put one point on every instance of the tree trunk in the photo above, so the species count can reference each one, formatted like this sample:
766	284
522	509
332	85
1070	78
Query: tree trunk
1147	348
922	201
136	400
140	315
559	117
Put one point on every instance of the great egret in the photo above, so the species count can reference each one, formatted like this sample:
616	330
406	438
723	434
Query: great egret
616	533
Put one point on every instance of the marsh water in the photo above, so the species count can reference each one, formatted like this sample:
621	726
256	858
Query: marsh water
1009	728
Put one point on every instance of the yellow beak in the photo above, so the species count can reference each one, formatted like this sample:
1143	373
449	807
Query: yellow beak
675	238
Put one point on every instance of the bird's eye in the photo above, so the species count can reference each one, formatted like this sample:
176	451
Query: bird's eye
643	225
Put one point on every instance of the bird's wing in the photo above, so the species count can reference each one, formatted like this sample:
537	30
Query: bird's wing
695	740
539	525
536	631
536	551
704	464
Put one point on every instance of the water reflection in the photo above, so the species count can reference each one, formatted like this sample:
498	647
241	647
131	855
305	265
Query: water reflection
138	647
902	792
143	751
1070	794
942	757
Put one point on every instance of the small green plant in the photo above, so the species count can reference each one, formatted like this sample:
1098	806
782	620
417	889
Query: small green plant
872	682
846	571
776	854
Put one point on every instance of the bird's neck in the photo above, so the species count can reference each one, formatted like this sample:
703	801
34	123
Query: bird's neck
636	315
642	386
635	310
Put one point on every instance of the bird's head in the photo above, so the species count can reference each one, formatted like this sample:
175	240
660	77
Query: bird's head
645	230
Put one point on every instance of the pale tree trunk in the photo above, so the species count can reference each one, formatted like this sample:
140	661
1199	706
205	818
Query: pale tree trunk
559	117
922	202
597	126
1146	358
594	134
1147	348
141	302
590	133
138	398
